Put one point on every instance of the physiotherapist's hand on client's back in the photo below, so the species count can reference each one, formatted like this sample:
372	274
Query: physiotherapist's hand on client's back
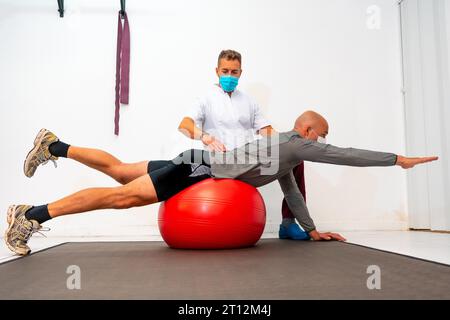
212	143
188	128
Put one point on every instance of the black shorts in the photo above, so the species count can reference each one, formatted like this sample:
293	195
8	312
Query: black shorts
171	176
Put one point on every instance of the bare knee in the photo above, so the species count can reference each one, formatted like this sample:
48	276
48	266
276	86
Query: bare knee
127	197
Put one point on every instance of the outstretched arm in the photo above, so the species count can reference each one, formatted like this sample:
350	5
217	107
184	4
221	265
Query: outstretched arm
326	153
318	152
405	163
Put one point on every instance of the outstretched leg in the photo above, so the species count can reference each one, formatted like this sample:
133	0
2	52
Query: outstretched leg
165	178
24	220
108	164
48	147
137	193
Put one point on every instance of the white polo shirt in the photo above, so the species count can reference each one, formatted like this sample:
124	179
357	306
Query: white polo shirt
233	120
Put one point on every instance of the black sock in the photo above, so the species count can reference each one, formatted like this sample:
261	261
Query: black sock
39	213
59	149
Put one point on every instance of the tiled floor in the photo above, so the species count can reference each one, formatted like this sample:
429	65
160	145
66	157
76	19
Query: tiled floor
424	245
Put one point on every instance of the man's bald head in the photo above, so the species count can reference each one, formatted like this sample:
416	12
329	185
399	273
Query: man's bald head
310	125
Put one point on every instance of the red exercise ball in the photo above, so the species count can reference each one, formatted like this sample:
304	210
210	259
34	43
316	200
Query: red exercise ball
213	214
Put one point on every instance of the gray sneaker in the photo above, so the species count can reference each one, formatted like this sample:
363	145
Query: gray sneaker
20	229
40	154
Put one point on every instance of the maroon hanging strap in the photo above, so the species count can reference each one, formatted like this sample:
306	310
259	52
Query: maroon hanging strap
122	67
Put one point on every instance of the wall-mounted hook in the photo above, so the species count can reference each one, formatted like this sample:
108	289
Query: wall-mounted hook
61	8
122	8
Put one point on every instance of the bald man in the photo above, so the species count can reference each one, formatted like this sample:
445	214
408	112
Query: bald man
256	163
311	122
288	228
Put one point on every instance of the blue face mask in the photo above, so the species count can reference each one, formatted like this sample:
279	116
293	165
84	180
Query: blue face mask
228	83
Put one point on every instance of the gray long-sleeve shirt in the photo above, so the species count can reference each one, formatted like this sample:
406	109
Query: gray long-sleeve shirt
273	158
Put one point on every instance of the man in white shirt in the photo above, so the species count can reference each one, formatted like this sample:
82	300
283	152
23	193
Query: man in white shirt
226	118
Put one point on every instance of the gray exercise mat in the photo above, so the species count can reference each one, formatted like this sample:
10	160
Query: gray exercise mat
274	269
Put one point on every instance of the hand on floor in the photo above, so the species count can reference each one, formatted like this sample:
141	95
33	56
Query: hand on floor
327	236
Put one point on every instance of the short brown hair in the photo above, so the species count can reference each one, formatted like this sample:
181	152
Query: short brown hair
229	55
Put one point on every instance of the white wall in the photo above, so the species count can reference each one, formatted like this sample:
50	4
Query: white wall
321	54
426	38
